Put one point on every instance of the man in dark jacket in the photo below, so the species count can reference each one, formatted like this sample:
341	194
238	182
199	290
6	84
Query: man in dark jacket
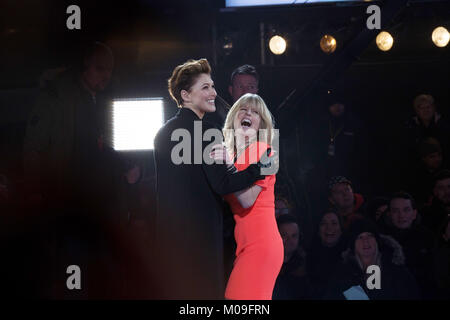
69	164
418	242
434	214
427	122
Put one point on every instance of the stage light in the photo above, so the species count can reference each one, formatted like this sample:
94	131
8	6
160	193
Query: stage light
328	44
277	45
136	122
384	41
440	37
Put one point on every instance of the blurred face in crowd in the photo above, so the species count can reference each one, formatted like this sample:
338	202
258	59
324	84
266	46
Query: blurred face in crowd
98	70
290	234
342	196
442	191
425	111
201	96
242	84
337	109
366	247
433	161
330	230
402	213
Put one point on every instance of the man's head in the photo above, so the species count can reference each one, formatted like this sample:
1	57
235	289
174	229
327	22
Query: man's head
244	79
341	193
431	154
336	109
441	189
424	107
290	233
402	210
334	99
98	64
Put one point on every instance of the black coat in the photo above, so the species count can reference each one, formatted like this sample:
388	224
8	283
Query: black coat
189	240
419	246
397	283
321	263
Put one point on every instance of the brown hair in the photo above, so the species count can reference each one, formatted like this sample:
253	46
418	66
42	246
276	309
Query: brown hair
184	76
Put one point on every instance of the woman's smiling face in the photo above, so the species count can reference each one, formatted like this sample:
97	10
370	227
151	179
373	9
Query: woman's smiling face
201	96
247	120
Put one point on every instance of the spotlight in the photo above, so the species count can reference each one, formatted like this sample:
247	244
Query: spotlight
328	44
136	122
277	45
440	37
384	41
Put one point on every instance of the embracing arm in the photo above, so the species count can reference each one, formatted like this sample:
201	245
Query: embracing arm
248	196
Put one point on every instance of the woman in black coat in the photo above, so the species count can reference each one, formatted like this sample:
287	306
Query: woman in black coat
188	235
325	253
353	280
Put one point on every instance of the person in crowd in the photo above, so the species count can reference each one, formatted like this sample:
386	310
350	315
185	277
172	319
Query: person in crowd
342	140
188	223
65	145
431	162
249	134
417	242
292	282
426	122
244	79
70	166
340	147
325	253
347	204
354	280
442	262
433	214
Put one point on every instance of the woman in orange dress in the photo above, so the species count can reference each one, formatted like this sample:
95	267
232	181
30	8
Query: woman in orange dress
248	133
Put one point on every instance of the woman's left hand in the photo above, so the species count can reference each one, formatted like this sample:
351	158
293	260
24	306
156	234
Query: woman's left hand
220	155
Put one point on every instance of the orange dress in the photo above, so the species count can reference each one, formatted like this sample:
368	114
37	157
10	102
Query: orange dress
259	253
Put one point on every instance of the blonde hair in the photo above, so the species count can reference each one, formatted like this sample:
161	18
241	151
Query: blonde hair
184	76
267	122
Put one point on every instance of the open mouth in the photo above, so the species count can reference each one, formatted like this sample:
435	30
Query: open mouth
246	123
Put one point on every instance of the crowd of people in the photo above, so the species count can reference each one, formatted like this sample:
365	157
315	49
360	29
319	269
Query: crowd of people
405	233
85	190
